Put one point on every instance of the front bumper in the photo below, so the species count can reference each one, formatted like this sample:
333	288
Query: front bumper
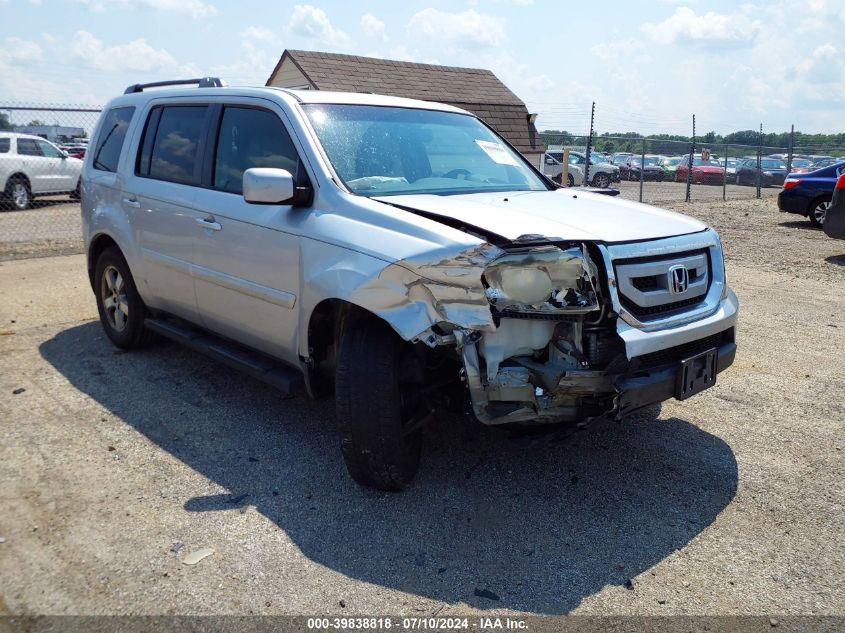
642	387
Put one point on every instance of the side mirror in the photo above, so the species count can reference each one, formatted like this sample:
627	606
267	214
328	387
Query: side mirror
64	154
268	185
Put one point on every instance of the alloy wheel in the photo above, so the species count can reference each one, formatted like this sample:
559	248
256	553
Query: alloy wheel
20	195
820	211
115	301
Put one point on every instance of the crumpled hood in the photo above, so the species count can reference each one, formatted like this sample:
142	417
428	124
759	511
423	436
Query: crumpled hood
563	214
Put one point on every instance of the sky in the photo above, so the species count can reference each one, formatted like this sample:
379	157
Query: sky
648	65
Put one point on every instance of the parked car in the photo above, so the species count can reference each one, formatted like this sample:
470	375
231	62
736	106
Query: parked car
708	172
772	172
801	165
669	164
328	238
809	194
31	166
824	162
601	174
630	169
834	221
553	168
619	158
730	165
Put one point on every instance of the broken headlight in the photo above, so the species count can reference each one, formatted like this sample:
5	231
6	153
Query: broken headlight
542	280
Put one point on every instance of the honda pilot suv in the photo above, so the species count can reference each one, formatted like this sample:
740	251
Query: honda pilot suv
397	254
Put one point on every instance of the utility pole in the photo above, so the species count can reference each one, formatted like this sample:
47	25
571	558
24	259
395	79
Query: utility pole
689	163
589	146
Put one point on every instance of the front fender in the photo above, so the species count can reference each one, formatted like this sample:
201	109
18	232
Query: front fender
411	295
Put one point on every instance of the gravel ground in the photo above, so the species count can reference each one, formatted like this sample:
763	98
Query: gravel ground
115	468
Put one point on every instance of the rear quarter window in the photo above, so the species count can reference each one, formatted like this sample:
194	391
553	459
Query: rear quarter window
111	137
4	145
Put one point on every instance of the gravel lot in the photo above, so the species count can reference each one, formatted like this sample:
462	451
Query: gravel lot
115	467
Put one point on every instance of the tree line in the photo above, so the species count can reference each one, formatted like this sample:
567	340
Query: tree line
673	144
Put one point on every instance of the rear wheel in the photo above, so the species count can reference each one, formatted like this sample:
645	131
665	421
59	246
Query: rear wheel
818	211
601	180
122	312
76	193
380	409
571	180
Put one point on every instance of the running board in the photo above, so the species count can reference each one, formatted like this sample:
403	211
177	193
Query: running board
272	372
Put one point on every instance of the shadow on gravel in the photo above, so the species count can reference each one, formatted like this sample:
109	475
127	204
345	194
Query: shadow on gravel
839	260
488	522
800	224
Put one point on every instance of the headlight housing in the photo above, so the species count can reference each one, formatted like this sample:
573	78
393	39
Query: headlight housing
545	280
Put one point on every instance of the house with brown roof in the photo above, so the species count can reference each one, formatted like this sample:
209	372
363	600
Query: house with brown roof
473	89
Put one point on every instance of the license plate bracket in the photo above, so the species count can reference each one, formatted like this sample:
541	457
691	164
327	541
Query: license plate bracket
696	374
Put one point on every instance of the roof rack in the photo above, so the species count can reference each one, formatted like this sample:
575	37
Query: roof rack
201	82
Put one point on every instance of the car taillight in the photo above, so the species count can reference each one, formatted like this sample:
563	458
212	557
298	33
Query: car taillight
789	183
840	182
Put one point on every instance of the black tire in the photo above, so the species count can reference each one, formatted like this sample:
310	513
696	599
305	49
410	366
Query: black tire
133	334
76	194
19	193
601	180
817	210
377	451
571	180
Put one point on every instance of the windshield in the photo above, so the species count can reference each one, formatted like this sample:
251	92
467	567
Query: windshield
712	163
381	151
773	164
801	162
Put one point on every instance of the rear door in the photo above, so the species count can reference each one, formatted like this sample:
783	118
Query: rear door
247	270
40	169
159	197
63	174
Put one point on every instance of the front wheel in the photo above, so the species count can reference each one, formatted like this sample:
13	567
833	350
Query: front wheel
19	193
818	211
571	180
122	312
379	405
601	181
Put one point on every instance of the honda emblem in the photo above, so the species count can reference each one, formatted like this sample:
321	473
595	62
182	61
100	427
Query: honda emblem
678	279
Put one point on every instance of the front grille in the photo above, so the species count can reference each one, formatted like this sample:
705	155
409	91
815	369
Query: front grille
647	288
665	309
645	283
676	354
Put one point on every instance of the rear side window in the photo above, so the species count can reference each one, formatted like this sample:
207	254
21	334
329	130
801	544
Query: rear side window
175	151
27	147
111	138
250	138
4	146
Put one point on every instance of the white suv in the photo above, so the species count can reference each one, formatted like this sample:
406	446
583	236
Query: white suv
31	166
397	253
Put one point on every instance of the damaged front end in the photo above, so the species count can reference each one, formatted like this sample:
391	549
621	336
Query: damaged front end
547	359
533	331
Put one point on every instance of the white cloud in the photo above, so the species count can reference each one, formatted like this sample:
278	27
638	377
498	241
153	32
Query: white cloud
136	55
372	26
259	34
468	28
18	50
523	3
709	29
312	23
194	8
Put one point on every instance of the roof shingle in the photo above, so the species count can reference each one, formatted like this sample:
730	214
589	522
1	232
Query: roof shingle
474	89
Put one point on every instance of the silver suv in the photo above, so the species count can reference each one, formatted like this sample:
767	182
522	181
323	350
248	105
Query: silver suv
398	254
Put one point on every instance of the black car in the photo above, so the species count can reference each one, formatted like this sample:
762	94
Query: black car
630	169
772	172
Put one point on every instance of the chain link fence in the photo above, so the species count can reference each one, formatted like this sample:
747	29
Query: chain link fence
657	170
41	147
41	152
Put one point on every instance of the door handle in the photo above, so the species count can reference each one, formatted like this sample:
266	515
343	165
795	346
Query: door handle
132	202
209	223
